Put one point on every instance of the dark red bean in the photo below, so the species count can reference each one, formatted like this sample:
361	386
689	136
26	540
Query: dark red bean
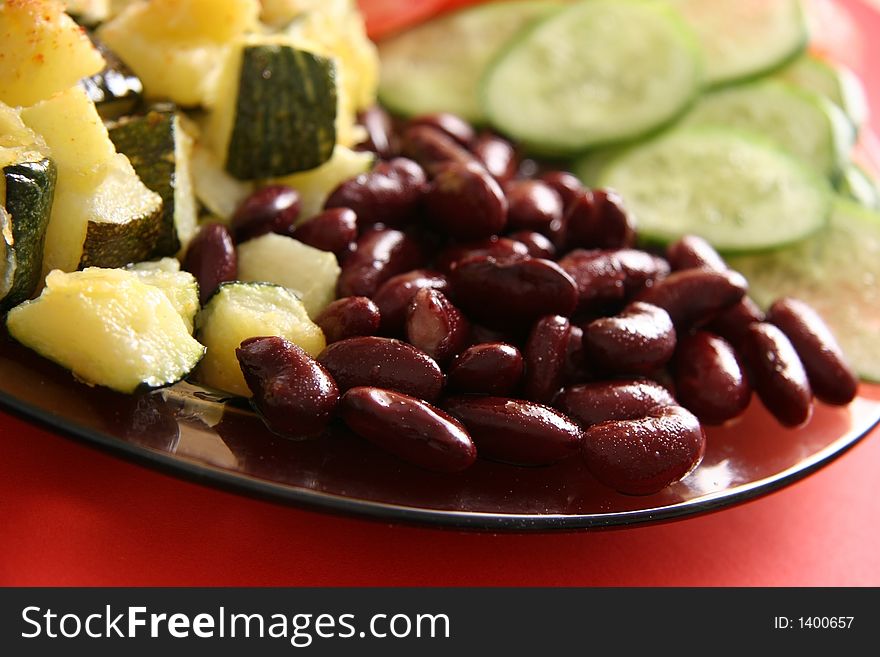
516	431
449	124
506	291
606	401
294	394
435	326
395	295
532	205
380	132
709	379
567	185
545	357
538	245
693	252
644	456
598	220
639	340
433	149
466	203
696	295
349	317
212	259
497	247
732	324
491	368
385	363
391	194
831	377
379	254
496	154
604	277
333	230
409	428
271	209
777	374
576	370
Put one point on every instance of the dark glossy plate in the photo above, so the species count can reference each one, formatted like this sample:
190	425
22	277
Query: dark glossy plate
192	432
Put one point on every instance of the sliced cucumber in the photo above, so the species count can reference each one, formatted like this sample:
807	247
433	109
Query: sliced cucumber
798	121
743	39
856	184
436	67
832	81
838	273
594	73
735	190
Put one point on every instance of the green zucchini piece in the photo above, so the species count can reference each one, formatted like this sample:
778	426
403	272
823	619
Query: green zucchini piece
116	90
744	39
735	190
421	73
238	311
29	192
160	151
180	287
858	185
109	328
594	73
798	121
276	111
837	272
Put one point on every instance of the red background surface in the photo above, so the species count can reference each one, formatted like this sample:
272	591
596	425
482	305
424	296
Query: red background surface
73	515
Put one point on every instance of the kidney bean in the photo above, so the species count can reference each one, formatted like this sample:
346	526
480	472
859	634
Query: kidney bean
271	209
731	324
379	254
644	456
380	132
693	252
777	374
294	394
599	220
695	295
516	431
609	276
502	291
538	245
575	370
211	258
409	428
435	326
449	124
639	340
491	368
831	377
606	401
395	295
466	203
385	363
495	246
567	185
391	194
545	357
349	317
532	205
496	154
433	149
333	230
709	379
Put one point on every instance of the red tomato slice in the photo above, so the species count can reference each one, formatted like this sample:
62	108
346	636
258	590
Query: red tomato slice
385	17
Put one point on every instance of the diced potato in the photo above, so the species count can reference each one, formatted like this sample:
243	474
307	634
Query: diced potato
309	272
180	287
42	51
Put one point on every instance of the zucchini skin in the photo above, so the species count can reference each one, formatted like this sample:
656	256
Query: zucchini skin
30	191
285	113
111	245
116	91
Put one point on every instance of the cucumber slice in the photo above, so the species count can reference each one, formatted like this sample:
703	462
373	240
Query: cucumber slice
857	185
838	273
436	67
743	39
832	81
798	121
734	190
597	72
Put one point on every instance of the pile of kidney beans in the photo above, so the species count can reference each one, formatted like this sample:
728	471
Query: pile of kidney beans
486	307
